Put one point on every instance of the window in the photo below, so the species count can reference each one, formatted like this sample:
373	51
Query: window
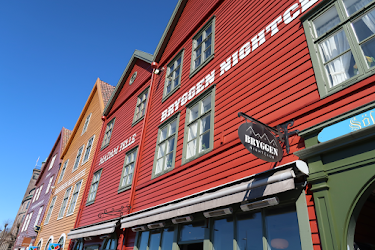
47	244
110	243
94	187
63	170
165	152
74	198
37	193
49	183
203	46
27	205
78	245
38	216
48	216
52	162
88	150
27	221
173	75
86	124
78	158
64	202
162	237
199	124
141	106
108	133
128	169
61	241
341	39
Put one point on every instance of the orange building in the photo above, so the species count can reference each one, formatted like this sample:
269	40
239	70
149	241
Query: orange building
76	158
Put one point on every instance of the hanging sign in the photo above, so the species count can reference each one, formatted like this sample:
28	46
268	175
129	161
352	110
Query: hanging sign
260	142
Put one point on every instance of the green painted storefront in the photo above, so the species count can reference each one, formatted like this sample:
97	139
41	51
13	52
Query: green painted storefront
342	176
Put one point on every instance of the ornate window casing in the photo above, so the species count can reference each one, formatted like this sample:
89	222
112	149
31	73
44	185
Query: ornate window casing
341	39
108	133
128	169
165	152
199	126
203	47
173	75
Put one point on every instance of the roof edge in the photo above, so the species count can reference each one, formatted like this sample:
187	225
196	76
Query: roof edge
144	56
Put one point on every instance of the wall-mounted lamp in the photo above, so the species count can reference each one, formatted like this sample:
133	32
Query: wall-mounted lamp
260	204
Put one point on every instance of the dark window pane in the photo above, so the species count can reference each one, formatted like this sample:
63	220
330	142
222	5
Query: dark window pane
369	51
143	240
223	234
167	239
282	229
154	240
192	231
249	231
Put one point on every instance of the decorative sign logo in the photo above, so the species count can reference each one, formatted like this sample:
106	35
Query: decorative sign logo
344	127
54	246
260	142
33	248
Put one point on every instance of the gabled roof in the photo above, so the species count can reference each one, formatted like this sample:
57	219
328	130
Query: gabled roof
60	142
136	55
169	30
104	90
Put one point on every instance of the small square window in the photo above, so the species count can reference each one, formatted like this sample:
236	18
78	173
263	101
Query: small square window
88	150
165	152
173	75
86	124
199	126
140	107
341	40
108	133
78	158
128	169
94	187
203	46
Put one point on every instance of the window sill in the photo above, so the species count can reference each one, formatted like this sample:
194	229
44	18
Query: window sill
137	121
170	93
89	203
103	147
154	176
192	73
184	161
120	190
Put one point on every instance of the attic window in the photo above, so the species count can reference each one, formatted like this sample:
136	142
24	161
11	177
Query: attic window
132	79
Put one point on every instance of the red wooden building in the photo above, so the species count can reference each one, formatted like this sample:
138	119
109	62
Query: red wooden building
195	185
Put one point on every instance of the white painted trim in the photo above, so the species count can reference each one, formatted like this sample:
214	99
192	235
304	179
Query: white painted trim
83	160
72	197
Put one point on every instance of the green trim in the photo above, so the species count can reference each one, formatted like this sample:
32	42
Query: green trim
89	202
135	121
179	55
175	117
303	222
208	91
126	187
103	146
138	121
210	22
321	75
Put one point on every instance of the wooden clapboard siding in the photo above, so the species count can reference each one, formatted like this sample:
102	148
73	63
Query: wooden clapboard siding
123	109
57	227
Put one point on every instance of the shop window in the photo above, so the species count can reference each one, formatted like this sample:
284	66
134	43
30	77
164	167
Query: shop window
165	152
199	126
152	240
110	243
128	170
63	170
78	158
47	244
78	245
61	241
203	47
64	203
108	133
341	39
39	244
88	150
52	162
173	75
140	107
50	209
74	198
86	124
94	187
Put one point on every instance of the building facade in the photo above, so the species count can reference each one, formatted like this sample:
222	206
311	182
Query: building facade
76	160
43	189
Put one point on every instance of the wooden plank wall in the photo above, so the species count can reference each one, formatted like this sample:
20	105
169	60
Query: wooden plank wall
123	110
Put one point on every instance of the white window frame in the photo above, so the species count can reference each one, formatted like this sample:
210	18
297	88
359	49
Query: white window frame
49	183
63	170
92	139
74	203
52	162
78	158
86	124
64	203
37	192
50	209
28	221
38	216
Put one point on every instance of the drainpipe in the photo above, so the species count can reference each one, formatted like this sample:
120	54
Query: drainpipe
154	66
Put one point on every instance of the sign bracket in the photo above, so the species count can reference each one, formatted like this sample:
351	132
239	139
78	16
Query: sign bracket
112	211
281	130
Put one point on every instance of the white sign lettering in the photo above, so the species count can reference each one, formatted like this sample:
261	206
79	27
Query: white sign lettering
117	149
37	205
71	181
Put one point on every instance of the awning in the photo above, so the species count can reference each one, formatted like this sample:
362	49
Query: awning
104	228
267	183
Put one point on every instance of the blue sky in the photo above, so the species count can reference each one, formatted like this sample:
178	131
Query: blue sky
51	53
